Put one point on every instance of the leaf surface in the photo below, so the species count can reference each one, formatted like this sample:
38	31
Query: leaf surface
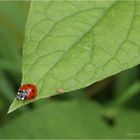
72	44
69	120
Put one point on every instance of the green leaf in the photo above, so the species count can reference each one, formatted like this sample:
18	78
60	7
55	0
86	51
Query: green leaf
128	94
72	44
71	119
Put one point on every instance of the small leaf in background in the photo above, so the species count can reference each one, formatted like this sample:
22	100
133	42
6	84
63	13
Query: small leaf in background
72	44
71	119
5	88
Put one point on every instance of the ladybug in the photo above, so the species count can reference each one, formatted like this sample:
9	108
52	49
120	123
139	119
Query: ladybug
26	91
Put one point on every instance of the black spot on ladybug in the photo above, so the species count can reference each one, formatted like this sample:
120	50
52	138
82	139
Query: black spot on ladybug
28	85
33	90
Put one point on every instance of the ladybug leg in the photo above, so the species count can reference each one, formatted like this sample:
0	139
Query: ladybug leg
23	98
21	95
24	95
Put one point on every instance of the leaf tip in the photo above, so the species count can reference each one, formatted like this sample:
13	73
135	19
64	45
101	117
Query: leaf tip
14	106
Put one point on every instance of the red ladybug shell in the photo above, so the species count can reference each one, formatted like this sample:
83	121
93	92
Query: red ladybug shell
30	89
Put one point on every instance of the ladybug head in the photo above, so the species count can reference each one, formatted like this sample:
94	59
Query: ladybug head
21	95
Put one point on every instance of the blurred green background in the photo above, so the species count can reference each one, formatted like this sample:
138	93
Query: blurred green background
107	109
